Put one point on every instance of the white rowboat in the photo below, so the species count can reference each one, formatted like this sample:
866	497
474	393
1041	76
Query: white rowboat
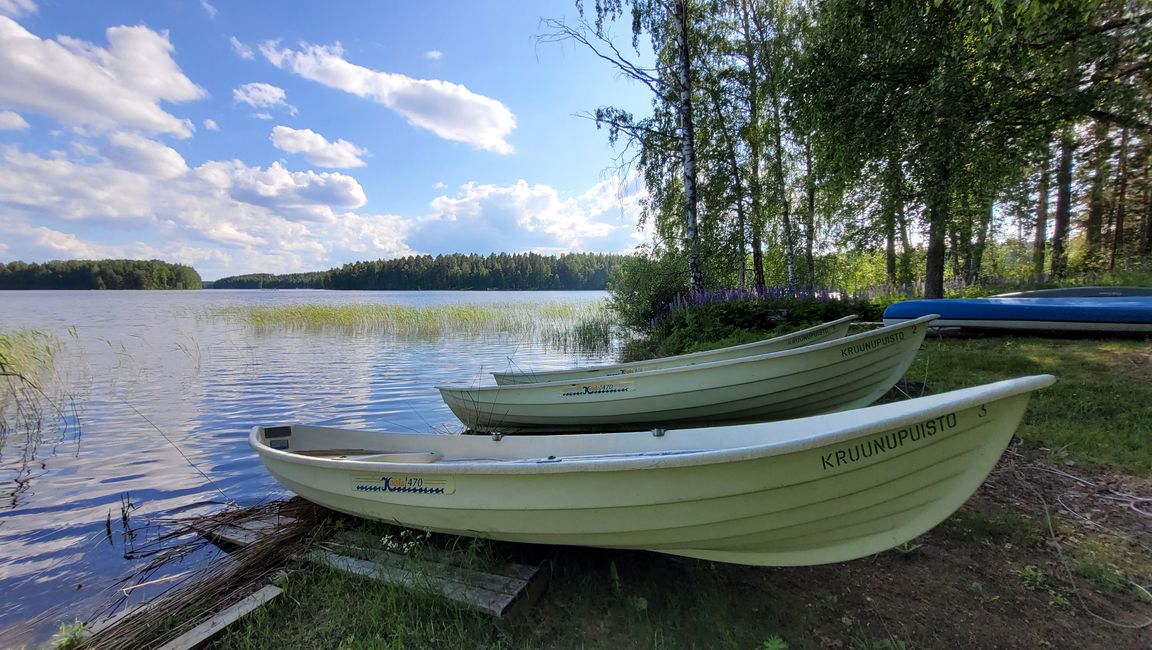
830	331
846	373
820	489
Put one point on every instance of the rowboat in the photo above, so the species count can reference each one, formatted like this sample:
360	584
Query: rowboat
825	332
815	490
1128	313
846	373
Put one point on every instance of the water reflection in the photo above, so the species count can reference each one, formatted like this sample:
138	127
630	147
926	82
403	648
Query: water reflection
163	399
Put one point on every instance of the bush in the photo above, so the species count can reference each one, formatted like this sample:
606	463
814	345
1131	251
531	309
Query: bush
716	319
643	286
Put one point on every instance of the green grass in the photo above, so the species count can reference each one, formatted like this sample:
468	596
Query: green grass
1098	410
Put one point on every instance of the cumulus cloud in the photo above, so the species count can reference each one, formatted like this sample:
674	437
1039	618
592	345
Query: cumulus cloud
242	50
449	110
317	149
210	8
10	121
262	95
80	83
223	217
523	217
17	8
211	125
433	55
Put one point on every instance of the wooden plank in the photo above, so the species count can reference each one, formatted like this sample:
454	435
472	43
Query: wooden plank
490	594
242	532
221	620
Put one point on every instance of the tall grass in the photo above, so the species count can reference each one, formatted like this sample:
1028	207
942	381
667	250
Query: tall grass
27	362
567	325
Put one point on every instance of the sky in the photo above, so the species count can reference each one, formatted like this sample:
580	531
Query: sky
279	137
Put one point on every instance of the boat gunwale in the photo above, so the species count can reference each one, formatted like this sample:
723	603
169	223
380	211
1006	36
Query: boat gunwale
461	388
937	406
675	358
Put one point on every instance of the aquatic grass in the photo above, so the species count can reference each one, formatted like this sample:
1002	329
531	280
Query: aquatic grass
585	326
27	365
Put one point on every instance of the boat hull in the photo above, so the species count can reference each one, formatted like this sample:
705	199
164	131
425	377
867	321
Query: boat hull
874	479
830	331
835	375
1072	314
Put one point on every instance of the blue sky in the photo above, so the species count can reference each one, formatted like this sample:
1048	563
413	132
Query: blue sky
254	136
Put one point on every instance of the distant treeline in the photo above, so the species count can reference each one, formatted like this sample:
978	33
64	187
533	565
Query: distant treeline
313	280
523	271
98	274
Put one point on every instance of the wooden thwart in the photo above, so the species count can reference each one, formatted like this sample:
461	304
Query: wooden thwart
502	595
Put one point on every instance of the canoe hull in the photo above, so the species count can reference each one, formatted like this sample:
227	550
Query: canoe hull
835	375
1071	314
889	482
830	331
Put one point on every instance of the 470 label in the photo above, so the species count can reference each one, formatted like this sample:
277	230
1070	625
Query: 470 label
403	484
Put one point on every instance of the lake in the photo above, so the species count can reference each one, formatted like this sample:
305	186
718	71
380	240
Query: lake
157	393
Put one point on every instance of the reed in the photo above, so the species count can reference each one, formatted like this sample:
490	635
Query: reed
27	364
554	323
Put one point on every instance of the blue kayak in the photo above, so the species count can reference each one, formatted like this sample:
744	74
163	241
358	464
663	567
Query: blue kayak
1073	314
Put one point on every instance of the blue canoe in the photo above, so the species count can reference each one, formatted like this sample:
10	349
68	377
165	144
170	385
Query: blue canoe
1065	314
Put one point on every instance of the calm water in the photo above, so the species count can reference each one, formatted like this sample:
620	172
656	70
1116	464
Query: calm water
160	396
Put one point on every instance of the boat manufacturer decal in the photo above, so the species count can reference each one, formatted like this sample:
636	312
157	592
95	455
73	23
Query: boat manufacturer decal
813	334
403	484
888	442
868	346
598	389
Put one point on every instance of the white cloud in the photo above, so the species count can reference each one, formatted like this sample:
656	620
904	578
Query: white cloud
262	95
79	83
212	10
523	217
211	125
135	153
223	217
449	110
433	55
317	149
10	121
242	50
262	116
17	8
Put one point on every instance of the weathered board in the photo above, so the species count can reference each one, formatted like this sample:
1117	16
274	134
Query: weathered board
503	592
242	532
221	620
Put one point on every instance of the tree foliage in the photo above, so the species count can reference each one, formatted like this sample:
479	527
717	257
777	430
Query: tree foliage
98	274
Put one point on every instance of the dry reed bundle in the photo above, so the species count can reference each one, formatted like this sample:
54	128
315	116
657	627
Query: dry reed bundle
201	594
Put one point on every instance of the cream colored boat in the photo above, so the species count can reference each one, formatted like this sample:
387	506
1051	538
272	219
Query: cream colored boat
842	374
810	491
830	331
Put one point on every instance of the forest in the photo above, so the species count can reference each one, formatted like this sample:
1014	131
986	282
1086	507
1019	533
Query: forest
502	271
98	274
856	143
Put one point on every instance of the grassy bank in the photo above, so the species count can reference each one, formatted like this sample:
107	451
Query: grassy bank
1048	553
1099	410
1051	552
